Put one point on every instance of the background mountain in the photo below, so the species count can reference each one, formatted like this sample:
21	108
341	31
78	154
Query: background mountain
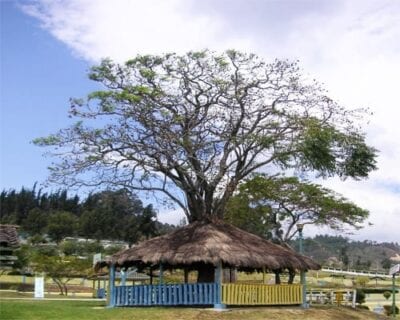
338	251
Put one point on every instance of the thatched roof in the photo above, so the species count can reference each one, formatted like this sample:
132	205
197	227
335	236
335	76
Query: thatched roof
209	243
9	235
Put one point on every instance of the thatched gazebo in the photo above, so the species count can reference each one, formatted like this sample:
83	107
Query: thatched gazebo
208	247
9	242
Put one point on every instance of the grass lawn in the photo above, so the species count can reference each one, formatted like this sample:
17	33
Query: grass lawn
87	310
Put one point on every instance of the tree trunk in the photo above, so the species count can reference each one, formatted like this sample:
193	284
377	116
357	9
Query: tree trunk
206	273
60	286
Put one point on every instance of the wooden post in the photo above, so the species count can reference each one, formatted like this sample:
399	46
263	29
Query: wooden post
263	269
151	275
160	283
161	277
111	287
218	280
186	275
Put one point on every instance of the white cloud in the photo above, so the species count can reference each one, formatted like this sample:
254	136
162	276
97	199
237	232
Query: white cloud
171	216
351	46
121	29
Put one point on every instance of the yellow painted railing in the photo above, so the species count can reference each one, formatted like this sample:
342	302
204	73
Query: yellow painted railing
261	294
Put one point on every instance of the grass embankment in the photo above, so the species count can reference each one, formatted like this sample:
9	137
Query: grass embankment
72	310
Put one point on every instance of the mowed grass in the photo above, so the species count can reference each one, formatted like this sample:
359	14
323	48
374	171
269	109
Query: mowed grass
86	310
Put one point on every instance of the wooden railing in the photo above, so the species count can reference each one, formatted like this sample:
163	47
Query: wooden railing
206	294
167	294
261	294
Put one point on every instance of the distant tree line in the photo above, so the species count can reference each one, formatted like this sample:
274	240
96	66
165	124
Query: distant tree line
109	214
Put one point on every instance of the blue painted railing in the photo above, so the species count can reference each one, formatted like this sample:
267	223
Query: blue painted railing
167	294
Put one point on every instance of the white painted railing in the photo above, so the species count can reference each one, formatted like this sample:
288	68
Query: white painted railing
370	274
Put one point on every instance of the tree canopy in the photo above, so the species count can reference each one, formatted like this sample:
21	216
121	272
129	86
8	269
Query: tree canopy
108	214
272	206
191	127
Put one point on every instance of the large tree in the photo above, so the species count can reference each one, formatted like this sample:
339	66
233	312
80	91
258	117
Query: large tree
191	127
272	207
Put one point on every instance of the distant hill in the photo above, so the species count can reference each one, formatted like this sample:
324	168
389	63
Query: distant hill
337	251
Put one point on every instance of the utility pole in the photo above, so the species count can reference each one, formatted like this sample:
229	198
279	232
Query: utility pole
303	280
393	271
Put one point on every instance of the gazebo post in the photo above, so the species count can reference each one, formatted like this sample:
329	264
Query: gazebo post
161	279
151	275
218	280
263	270
111	287
186	275
160	284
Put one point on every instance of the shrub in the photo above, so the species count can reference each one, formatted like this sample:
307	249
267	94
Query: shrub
388	309
363	307
377	290
360	297
362	281
387	294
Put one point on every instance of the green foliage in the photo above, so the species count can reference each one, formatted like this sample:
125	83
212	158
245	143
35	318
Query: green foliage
321	144
362	281
360	296
387	295
23	255
36	222
117	215
113	215
61	224
271	207
61	269
386	263
47	141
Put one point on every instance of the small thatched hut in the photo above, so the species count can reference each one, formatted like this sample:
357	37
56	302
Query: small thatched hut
9	241
9	235
208	247
209	243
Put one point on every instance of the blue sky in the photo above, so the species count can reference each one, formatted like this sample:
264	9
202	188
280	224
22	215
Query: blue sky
353	47
38	76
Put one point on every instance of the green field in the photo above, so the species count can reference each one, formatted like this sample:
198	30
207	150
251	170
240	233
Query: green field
20	305
87	310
